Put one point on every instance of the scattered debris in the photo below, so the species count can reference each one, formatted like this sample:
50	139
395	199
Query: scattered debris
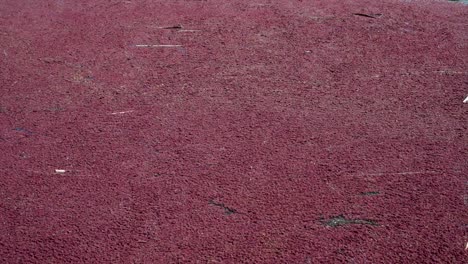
156	46
20	129
370	193
122	112
227	210
450	72
399	173
173	27
368	15
188	30
60	171
259	4
341	220
179	28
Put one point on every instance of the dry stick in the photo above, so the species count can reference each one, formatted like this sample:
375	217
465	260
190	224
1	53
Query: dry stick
399	173
172	27
156	46
179	28
121	112
367	15
450	72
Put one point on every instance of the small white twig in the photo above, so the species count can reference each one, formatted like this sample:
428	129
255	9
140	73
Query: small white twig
156	46
121	112
448	72
399	173
259	4
188	30
466	100
60	171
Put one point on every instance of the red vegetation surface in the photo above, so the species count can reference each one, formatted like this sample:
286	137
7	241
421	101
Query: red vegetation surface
269	132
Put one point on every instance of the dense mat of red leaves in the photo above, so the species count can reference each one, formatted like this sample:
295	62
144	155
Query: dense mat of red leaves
260	132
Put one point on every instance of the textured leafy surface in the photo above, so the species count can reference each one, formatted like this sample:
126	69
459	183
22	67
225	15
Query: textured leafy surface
147	131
